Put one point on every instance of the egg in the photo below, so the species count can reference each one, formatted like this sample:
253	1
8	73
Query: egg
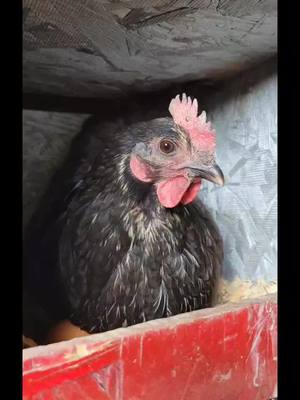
27	342
64	330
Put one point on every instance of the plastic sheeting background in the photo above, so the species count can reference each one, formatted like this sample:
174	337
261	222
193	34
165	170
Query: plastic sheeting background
244	113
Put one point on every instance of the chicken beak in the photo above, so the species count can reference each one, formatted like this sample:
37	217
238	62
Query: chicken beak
210	173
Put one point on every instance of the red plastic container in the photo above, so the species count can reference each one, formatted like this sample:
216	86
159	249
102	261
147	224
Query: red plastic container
225	353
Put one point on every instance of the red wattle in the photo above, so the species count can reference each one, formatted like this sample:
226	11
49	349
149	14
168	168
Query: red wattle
191	193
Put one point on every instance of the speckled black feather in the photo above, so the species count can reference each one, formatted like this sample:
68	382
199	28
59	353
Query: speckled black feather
104	253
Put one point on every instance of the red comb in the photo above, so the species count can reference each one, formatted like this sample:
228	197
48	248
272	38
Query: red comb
185	114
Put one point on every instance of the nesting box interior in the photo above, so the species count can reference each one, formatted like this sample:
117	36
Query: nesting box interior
243	111
127	59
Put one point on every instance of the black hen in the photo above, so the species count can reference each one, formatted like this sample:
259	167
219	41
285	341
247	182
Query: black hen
126	241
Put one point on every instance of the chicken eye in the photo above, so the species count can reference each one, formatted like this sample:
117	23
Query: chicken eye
166	146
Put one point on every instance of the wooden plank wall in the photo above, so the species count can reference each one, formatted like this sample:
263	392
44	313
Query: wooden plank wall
102	48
